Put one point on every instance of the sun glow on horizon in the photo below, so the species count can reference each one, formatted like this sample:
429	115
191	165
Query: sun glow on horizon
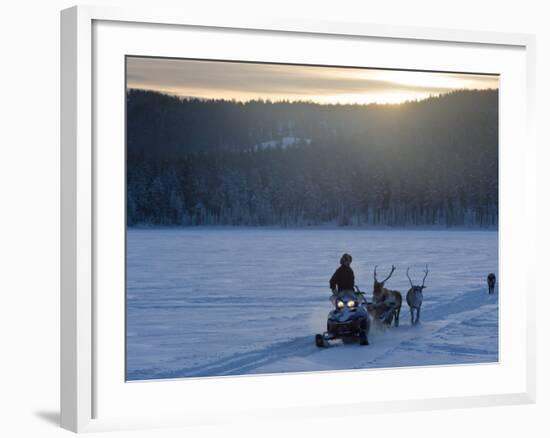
277	82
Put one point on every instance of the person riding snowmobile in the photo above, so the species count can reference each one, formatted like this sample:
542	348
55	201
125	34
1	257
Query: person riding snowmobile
343	279
349	321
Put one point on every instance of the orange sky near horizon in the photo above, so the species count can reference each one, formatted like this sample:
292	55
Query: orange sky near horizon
243	81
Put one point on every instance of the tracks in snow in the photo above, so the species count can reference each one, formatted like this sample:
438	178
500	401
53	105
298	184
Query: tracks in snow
300	354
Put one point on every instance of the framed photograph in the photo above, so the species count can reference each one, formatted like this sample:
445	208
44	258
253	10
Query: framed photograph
257	209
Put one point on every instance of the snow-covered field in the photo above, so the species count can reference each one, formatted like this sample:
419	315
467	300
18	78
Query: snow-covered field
227	301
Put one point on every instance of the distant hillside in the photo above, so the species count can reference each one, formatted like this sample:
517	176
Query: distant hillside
261	163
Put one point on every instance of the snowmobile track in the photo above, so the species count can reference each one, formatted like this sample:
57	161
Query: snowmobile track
462	309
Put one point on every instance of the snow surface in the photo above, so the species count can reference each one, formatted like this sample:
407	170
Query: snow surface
225	301
283	142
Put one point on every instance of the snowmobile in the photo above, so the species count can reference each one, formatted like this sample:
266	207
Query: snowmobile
349	321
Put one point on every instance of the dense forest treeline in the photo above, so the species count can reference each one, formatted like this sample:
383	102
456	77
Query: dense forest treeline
216	162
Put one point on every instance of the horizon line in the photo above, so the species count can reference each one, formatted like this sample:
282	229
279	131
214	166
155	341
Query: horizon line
310	102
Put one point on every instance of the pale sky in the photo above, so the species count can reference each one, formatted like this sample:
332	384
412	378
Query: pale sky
248	81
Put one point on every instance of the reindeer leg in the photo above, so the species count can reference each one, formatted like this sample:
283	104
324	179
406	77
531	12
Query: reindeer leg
412	316
397	312
418	314
390	315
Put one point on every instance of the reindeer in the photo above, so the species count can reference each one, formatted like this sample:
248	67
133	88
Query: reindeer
491	281
414	297
386	303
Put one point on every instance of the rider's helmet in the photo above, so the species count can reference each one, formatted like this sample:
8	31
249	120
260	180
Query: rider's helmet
345	259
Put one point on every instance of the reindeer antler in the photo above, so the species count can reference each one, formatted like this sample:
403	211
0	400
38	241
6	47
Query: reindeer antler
391	273
410	281
425	275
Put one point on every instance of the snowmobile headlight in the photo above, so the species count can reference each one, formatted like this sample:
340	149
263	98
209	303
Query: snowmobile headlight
351	304
340	304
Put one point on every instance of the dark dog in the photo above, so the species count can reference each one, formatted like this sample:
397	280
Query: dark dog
491	281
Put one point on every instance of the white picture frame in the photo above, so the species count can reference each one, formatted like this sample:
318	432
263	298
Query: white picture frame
93	396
